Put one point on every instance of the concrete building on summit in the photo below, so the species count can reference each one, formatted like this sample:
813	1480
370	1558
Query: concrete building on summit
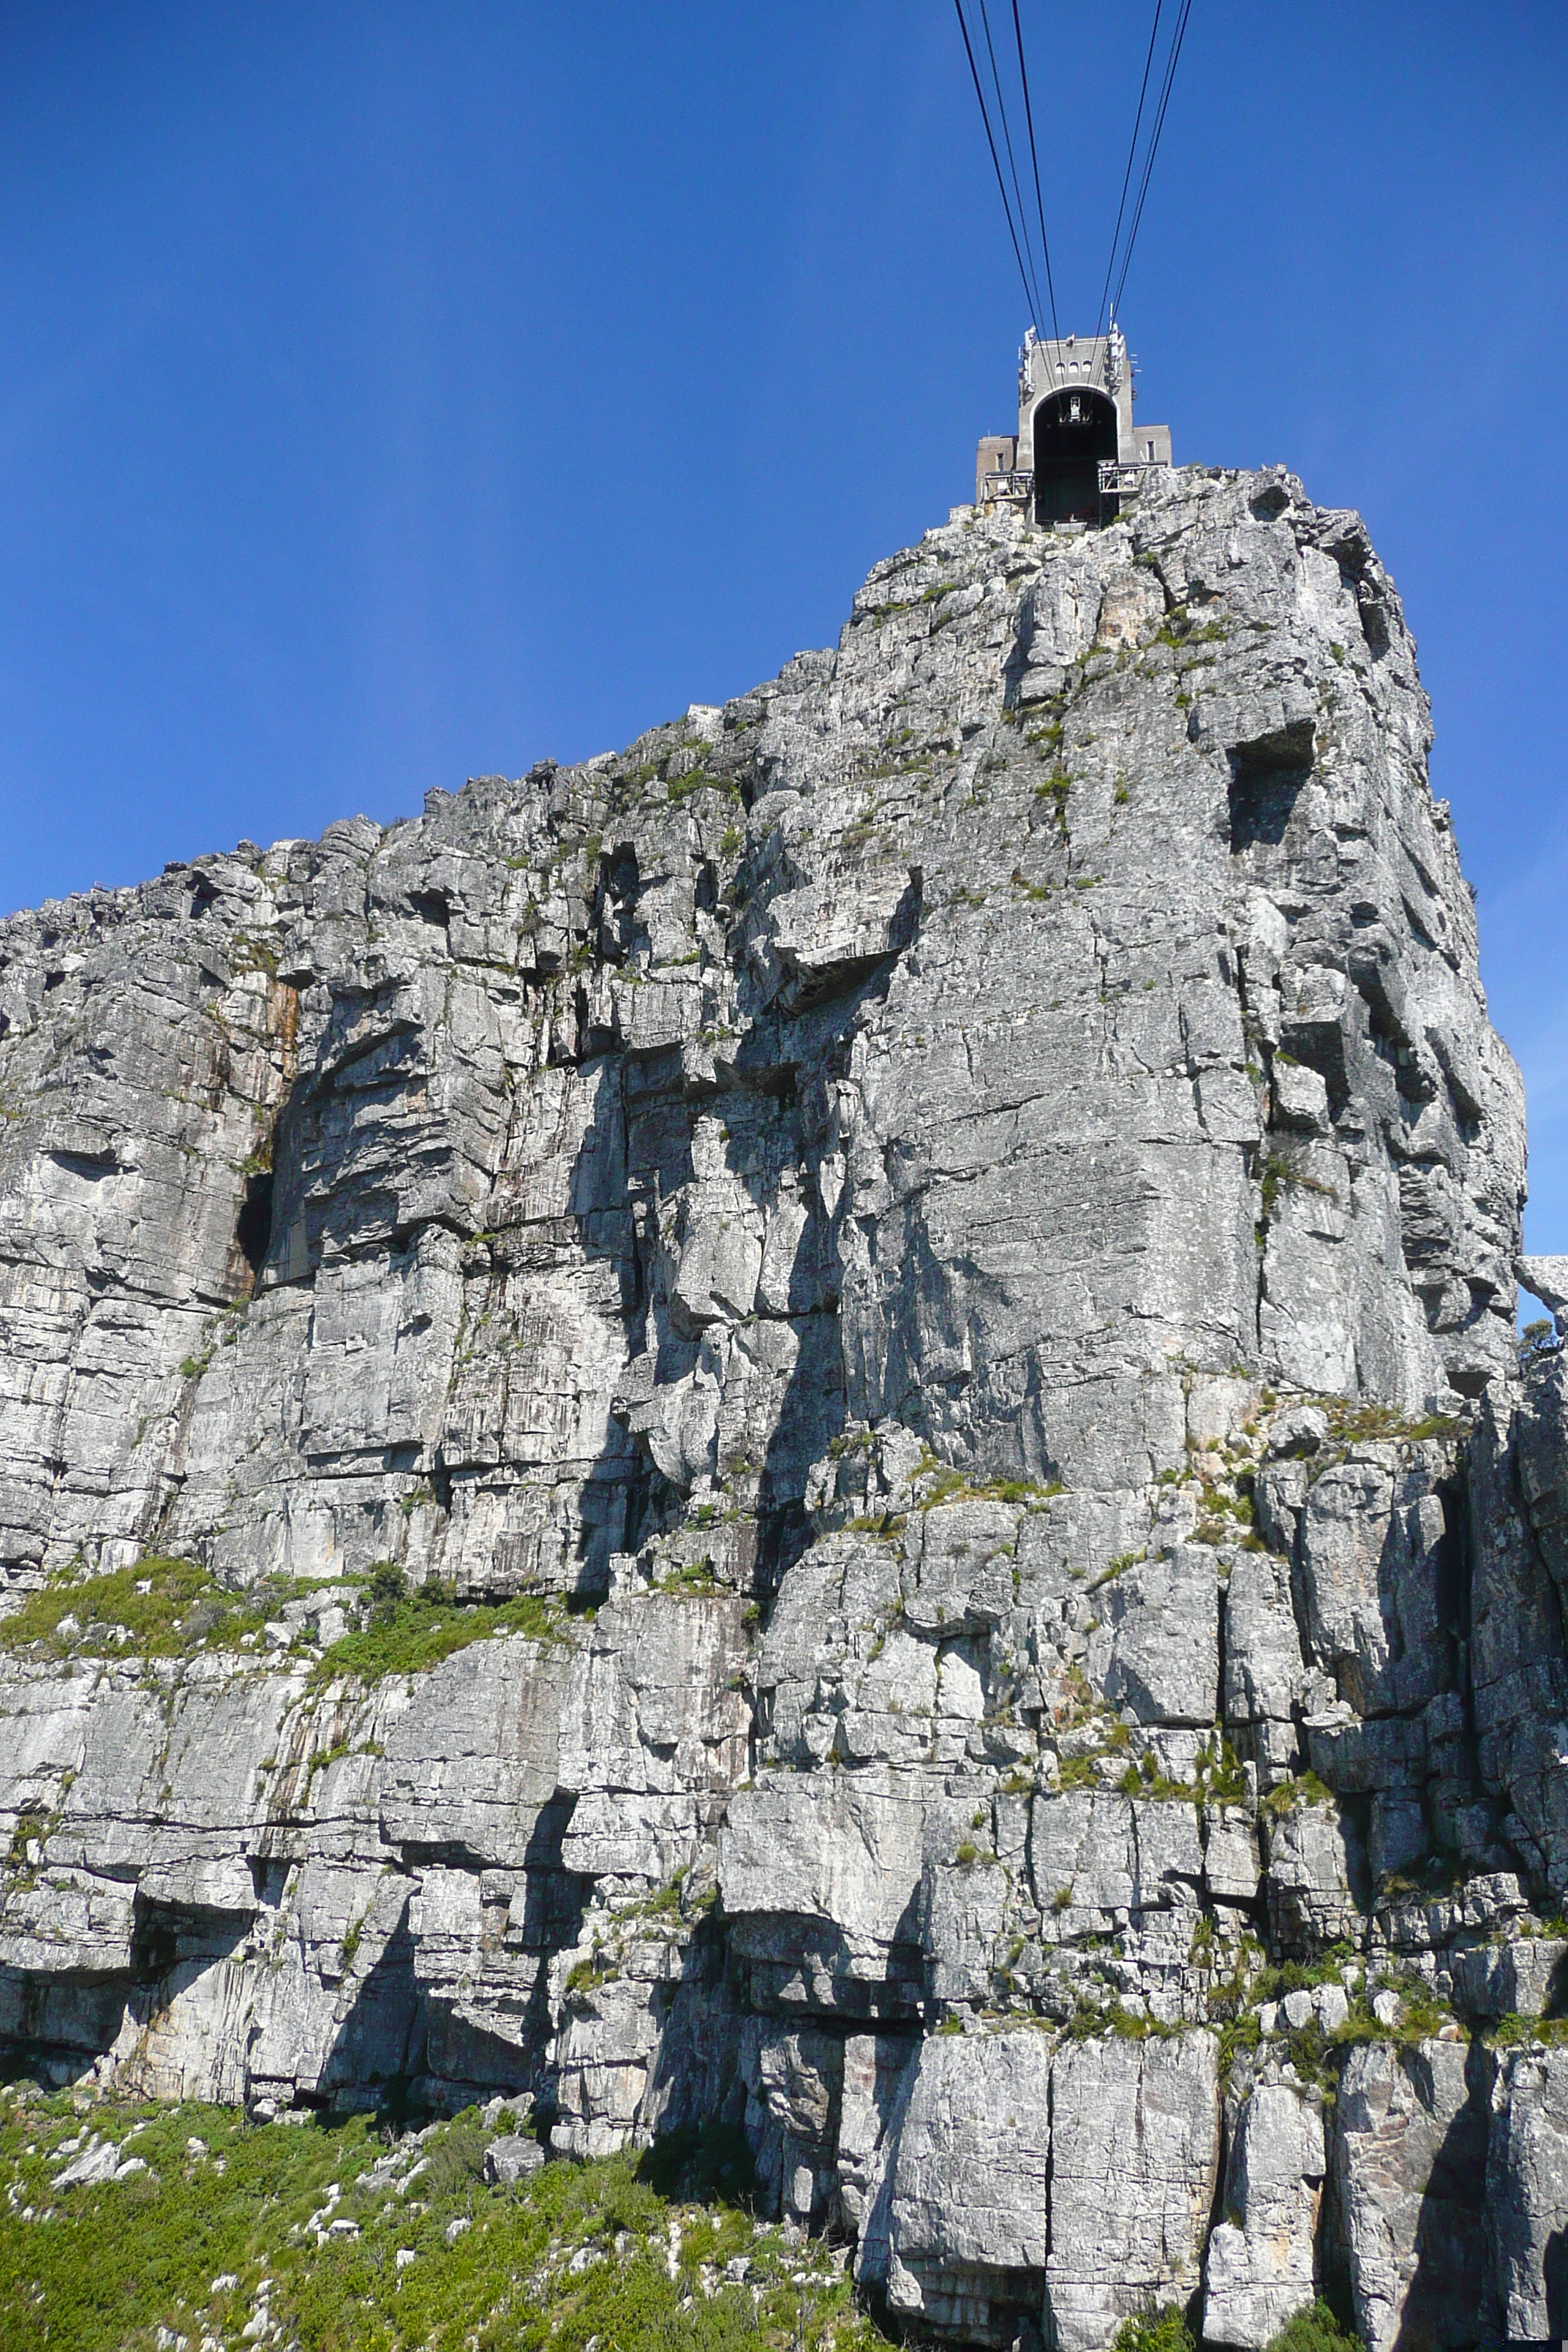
1075	419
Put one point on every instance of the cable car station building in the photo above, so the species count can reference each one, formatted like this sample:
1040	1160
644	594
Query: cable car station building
1077	445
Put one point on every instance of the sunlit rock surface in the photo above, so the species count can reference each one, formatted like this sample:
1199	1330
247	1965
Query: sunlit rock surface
953	1224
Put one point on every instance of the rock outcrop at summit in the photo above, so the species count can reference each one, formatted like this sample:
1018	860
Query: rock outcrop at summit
841	1397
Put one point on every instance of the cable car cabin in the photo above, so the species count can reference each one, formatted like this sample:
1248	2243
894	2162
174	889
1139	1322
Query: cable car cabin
1074	432
1077	451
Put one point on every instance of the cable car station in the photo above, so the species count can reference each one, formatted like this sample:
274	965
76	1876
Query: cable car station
1077	446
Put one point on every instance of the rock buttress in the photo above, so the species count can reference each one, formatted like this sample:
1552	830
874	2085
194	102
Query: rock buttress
917	1256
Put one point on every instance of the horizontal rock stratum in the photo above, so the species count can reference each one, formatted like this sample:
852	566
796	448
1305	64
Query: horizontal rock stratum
819	1427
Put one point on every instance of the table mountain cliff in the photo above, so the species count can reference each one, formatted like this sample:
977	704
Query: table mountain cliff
819	1427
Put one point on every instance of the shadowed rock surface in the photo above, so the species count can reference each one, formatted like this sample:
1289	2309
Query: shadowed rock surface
926	1263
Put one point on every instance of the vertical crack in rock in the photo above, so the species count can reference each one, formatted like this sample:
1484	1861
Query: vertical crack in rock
815	1430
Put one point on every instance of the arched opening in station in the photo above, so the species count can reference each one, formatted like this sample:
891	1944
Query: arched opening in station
1074	428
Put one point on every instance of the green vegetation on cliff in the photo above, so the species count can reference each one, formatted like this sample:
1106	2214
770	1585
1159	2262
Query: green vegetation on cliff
159	1609
348	2243
407	1630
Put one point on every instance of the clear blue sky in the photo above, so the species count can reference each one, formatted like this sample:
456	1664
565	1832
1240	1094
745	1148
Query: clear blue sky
395	392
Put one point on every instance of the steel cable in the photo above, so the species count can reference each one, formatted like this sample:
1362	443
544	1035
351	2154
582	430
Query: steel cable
1012	165
1034	162
1154	145
1099	323
995	158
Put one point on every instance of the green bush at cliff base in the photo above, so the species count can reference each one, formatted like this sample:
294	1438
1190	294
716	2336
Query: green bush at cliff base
104	2269
1315	2330
1165	2330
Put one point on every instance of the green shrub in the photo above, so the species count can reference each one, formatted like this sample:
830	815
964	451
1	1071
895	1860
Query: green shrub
1306	1789
409	1632
692	1581
943	1484
1511	2030
586	1975
1315	2330
698	780
1272	1983
458	2160
663	1902
1165	2330
1237	2034
1220	1775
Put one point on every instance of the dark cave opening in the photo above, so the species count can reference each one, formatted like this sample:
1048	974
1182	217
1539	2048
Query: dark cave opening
1265	778
254	1231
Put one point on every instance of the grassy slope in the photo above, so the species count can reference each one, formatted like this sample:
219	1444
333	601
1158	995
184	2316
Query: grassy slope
576	2252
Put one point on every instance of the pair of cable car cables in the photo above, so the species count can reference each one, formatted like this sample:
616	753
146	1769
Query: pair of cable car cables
1019	231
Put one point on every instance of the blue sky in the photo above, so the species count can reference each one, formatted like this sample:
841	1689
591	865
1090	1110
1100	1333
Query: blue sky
395	392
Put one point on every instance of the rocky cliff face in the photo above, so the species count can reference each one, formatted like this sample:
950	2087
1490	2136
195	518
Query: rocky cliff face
916	1275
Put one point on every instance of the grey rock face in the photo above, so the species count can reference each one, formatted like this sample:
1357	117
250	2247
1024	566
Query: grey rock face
1318	1879
1527	2193
1261	2264
512	2158
1158	1651
970	2199
1110	1854
1135	2140
1084	2179
1547	1277
936	1231
385	1021
1526	1979
1410	2158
